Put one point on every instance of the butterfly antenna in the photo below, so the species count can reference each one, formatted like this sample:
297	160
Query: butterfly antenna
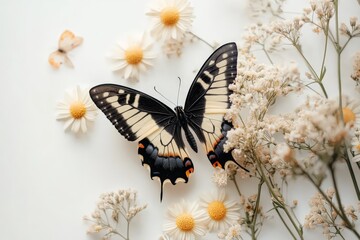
177	99
163	96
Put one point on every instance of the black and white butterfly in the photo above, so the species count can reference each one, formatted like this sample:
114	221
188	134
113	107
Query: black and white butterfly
158	129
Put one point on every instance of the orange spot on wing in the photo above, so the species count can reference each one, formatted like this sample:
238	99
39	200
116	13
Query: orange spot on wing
140	145
216	164
189	171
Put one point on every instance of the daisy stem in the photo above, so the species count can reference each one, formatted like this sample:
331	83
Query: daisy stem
201	39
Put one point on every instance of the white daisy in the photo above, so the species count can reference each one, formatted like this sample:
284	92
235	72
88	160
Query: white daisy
172	18
221	212
76	109
351	112
185	222
134	56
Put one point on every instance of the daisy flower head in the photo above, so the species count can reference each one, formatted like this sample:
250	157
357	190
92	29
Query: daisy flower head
221	212
172	18
133	56
185	221
351	112
76	109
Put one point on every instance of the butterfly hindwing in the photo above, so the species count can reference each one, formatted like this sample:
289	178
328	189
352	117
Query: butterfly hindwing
208	100
140	117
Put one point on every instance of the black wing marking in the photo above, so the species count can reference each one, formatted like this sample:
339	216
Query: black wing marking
138	116
208	100
134	114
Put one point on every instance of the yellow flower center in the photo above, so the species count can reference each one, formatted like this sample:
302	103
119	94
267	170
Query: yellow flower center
134	55
185	222
77	110
169	16
217	210
349	115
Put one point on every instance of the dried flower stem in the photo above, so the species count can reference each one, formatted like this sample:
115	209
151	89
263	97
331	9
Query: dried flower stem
318	80
256	211
339	50
352	174
349	225
339	211
202	40
278	203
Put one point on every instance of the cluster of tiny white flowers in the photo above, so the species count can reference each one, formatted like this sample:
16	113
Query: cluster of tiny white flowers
308	126
322	214
261	7
109	210
232	233
257	86
260	35
289	29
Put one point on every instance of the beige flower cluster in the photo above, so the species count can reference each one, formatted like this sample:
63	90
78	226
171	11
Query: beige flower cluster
111	210
322	214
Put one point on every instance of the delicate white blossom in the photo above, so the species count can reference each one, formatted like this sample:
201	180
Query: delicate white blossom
172	18
133	57
76	109
185	221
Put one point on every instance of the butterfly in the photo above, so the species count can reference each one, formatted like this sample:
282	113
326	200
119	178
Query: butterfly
67	42
158	129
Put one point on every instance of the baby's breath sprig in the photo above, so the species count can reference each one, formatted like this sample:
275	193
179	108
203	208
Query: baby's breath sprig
111	211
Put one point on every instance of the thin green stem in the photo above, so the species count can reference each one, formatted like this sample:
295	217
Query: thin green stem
202	40
253	222
312	70
322	69
267	54
352	174
279	202
128	230
117	233
348	225
338	212
283	221
236	186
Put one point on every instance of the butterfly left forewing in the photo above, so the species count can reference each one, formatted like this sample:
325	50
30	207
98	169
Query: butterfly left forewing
208	101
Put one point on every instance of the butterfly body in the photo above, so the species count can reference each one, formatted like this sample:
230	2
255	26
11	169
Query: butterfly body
183	121
158	129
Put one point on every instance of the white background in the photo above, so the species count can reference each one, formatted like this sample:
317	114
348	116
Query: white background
49	179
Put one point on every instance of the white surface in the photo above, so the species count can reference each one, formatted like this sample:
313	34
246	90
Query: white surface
50	179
